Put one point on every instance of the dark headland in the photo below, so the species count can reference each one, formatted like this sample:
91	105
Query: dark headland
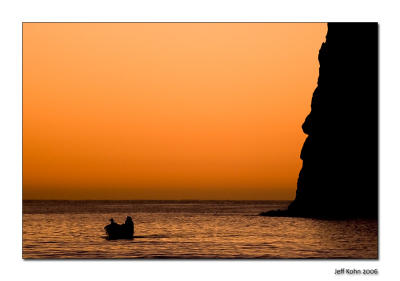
339	177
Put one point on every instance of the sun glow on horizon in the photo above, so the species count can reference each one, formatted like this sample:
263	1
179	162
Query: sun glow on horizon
166	110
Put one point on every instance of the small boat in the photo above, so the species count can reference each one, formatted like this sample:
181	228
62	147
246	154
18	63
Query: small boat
120	231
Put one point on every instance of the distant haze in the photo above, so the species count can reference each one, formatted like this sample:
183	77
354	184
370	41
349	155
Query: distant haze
166	110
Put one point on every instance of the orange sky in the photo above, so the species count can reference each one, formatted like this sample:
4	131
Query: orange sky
166	110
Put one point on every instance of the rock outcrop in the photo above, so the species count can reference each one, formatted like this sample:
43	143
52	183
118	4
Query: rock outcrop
339	177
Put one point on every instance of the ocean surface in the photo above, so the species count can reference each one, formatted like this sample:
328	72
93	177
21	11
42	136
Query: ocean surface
189	229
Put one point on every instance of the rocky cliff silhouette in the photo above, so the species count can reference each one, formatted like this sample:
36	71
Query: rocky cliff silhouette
339	177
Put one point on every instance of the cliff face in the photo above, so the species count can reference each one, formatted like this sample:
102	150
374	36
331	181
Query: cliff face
339	177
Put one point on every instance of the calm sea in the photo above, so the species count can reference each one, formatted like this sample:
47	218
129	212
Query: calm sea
189	229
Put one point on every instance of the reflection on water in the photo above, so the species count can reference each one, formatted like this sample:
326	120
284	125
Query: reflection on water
209	229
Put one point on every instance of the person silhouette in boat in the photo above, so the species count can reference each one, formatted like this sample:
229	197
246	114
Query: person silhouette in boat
129	226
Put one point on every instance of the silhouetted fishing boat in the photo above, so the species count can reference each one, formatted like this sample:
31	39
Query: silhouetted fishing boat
120	231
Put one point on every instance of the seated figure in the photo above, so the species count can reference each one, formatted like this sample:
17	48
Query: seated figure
129	226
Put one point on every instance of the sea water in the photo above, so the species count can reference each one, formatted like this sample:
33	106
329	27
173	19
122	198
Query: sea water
189	229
